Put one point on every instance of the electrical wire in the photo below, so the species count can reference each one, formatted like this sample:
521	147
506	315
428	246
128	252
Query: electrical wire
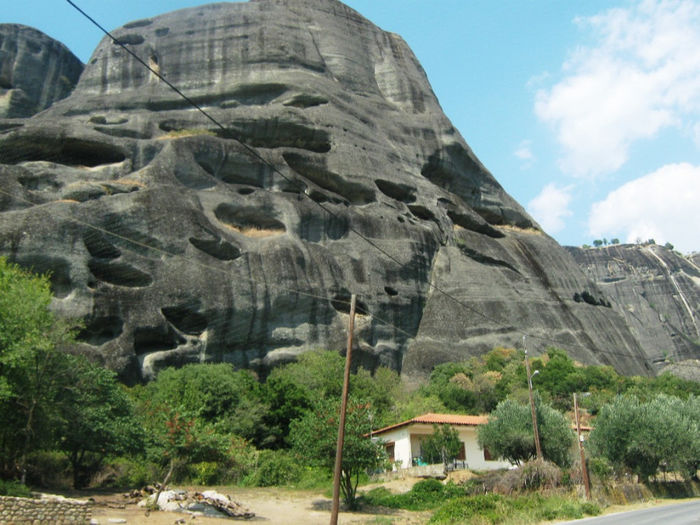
251	151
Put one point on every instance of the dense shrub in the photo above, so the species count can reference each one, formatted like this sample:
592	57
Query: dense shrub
425	495
14	488
275	468
492	508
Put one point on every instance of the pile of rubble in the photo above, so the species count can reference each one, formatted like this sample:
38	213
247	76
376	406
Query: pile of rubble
208	503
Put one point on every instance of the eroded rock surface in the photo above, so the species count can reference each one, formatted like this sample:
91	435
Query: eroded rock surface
179	241
35	71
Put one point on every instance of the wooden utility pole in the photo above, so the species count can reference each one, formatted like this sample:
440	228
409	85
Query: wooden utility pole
584	470
343	409
532	405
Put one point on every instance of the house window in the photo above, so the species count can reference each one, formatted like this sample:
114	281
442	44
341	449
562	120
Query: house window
487	454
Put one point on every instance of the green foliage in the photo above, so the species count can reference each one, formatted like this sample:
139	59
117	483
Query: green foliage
314	439
476	386
14	489
492	508
643	436
442	446
424	495
214	394
509	433
276	468
96	419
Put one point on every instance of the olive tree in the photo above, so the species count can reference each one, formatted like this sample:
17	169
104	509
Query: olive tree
646	436
509	434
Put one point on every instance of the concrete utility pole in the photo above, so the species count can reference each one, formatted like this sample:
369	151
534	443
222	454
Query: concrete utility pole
584	470
532	403
343	410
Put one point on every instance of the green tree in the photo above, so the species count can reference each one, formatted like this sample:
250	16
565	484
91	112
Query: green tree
597	243
32	364
509	434
442	446
314	439
644	436
215	394
96	419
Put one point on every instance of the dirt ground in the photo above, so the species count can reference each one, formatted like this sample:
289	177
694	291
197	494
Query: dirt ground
272	506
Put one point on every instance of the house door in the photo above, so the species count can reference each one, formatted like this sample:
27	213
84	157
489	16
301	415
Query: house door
390	451
462	453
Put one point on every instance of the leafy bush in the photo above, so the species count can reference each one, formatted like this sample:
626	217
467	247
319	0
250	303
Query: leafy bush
127	472
492	508
276	468
15	489
425	495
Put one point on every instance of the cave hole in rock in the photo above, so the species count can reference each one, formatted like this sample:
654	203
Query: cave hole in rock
100	330
98	246
341	303
258	94
474	224
217	248
69	151
421	212
245	191
155	339
482	258
306	100
138	23
133	39
277	133
250	221
34	47
120	274
186	317
400	192
391	291
314	169
57	268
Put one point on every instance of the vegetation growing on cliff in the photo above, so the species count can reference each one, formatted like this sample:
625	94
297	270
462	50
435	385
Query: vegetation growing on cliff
210	423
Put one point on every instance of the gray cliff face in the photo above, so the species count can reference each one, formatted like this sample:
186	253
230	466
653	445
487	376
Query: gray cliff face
35	71
177	244
656	290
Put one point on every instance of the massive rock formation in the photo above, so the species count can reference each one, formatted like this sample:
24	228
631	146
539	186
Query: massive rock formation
334	171
35	71
656	290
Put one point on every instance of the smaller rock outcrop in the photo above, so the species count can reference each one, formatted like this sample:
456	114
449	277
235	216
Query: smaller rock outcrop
657	291
35	71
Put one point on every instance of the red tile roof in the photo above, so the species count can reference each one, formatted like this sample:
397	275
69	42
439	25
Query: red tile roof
438	419
450	419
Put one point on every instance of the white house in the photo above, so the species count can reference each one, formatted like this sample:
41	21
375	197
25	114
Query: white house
403	440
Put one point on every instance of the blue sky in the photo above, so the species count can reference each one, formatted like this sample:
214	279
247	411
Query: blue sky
588	113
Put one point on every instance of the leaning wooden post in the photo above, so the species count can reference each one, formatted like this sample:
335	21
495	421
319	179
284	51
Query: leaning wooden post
343	409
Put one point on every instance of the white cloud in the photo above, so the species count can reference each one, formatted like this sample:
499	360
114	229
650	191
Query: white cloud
642	75
524	152
662	205
551	207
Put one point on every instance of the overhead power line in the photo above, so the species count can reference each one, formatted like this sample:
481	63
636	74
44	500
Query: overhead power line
251	151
